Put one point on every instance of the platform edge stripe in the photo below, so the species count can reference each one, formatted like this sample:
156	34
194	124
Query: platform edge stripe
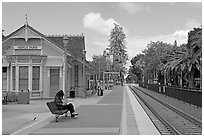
123	123
145	127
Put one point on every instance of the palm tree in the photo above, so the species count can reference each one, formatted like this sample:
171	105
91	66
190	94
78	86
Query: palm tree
195	44
187	57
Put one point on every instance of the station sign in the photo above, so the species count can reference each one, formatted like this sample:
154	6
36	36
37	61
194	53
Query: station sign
30	47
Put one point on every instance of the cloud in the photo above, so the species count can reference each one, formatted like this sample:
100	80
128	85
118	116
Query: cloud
97	46
192	23
132	7
180	34
95	22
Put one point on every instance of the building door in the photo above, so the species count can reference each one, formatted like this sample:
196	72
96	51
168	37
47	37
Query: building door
23	78
54	81
4	78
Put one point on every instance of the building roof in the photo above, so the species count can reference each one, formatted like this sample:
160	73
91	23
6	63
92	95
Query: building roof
76	43
14	32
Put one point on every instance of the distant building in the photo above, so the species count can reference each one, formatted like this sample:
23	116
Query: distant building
35	62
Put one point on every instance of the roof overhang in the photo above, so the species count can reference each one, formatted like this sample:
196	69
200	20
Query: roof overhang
56	63
82	62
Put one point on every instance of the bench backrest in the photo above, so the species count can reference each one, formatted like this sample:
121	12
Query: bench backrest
52	106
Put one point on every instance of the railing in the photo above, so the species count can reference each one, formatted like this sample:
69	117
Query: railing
191	96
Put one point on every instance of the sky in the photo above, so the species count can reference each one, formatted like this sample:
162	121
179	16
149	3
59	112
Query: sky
142	21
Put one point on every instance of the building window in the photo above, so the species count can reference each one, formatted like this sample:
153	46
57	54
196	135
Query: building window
36	78
14	77
4	78
23	78
76	75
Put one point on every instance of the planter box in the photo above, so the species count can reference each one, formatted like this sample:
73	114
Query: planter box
23	97
12	97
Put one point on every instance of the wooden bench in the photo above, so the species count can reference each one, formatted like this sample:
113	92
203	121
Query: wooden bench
54	110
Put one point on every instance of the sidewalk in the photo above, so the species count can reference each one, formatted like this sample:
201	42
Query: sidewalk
18	118
97	116
115	113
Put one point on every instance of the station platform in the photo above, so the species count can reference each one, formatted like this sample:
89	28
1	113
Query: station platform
117	112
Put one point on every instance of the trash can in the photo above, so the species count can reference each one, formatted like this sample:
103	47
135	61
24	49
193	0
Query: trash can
23	97
72	93
100	92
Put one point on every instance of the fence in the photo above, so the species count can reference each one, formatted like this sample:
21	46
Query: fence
190	96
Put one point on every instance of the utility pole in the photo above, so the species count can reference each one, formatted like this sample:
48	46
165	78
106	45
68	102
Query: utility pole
84	74
99	70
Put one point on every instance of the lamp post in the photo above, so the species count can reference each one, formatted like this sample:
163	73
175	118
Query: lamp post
107	52
65	42
84	74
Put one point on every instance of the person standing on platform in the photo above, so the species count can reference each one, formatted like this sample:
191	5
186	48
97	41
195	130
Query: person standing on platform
100	90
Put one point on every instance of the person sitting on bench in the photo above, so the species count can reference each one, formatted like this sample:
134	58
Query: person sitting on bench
62	105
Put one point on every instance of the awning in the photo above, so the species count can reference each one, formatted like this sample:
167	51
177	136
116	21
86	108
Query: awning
82	62
56	63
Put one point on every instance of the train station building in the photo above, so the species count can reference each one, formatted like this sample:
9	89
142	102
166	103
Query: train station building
37	63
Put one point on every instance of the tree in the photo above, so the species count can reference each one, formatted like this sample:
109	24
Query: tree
137	67
118	49
188	59
118	46
172	63
154	55
195	44
99	65
184	62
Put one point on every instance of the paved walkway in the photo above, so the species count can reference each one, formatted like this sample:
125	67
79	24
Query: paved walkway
110	114
101	117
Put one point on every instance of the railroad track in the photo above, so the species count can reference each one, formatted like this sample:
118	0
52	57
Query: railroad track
173	120
160	123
